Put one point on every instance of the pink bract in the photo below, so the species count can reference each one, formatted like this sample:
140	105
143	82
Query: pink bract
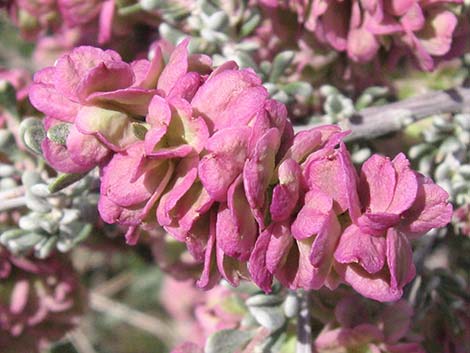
422	29
208	156
102	97
79	91
397	205
297	248
311	244
362	326
38	18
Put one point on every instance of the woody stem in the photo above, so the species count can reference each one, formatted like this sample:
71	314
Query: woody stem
304	324
10	204
378	121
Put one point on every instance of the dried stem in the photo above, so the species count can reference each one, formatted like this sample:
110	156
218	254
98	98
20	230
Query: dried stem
9	204
304	324
13	192
81	342
132	317
377	121
115	284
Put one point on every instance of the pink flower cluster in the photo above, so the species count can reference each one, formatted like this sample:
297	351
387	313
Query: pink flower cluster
359	327
198	314
422	28
207	155
41	300
330	225
37	17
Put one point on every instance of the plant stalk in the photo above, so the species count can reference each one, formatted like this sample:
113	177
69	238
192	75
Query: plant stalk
304	323
140	320
378	121
13	192
9	204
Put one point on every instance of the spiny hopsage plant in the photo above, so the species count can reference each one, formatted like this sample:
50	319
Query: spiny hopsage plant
200	148
206	154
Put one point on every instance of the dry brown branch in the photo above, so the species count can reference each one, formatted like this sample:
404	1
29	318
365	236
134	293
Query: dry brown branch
81	342
304	325
378	121
132	317
115	284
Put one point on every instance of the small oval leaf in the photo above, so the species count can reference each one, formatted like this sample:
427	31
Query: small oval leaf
227	341
32	134
64	180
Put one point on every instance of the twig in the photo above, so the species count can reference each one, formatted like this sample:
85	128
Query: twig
81	342
304	326
132	317
14	198
115	284
6	205
377	121
13	192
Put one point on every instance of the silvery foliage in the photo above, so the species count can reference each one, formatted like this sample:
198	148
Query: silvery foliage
39	214
52	221
208	24
274	76
338	109
170	11
222	29
211	24
443	155
266	325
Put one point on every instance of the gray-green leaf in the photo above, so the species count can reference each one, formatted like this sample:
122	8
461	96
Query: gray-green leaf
271	317
64	180
32	133
298	88
250	25
59	133
227	341
264	300
139	130
280	63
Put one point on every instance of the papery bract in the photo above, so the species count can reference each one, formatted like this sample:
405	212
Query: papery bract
207	155
173	136
362	326
79	90
38	18
297	248
419	28
130	187
397	205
